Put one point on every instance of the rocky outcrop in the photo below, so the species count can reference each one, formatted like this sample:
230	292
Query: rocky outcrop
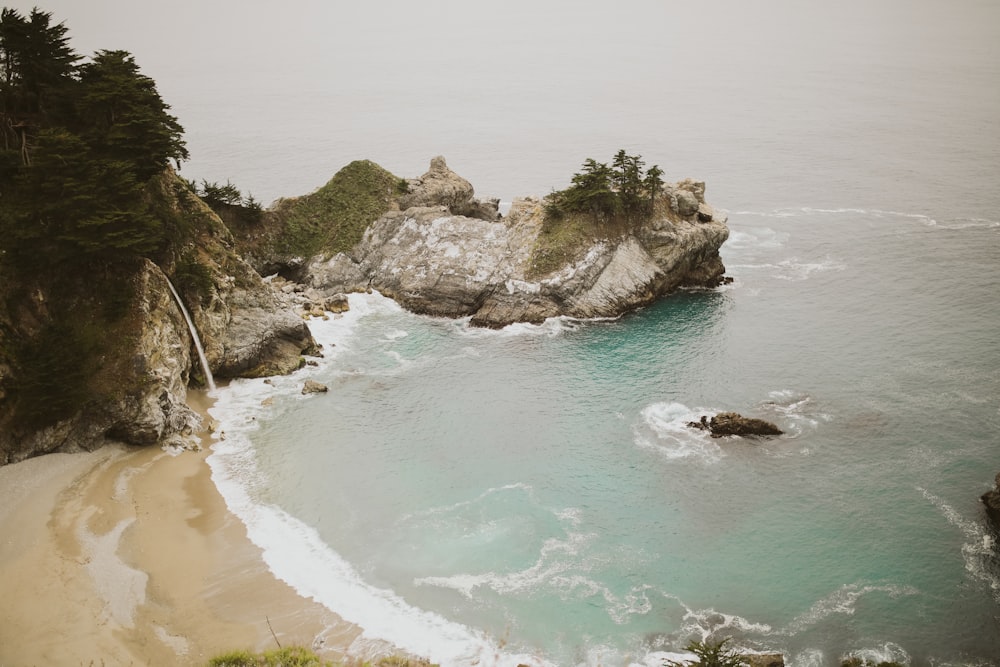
732	423
764	659
440	186
247	330
136	396
991	499
313	387
436	262
108	357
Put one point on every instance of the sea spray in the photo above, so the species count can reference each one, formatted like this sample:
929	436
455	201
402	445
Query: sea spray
194	335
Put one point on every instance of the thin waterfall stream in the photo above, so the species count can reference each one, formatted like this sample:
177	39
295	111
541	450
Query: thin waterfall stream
194	335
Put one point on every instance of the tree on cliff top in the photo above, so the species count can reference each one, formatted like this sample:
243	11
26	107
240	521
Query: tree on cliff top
81	145
619	192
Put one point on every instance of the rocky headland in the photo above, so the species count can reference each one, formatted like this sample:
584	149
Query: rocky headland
428	243
450	255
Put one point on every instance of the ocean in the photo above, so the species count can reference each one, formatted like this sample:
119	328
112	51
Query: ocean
533	495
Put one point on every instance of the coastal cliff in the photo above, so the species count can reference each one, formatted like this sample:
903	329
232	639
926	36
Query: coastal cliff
106	355
434	258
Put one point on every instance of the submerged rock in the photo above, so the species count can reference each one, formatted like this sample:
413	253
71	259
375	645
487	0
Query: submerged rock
732	423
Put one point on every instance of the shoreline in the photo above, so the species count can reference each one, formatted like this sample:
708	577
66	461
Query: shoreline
129	556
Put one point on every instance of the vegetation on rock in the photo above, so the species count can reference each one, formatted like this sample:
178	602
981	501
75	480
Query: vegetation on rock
297	656
333	218
710	655
84	155
602	202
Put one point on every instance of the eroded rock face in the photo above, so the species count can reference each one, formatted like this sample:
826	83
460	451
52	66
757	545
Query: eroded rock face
435	262
138	395
440	186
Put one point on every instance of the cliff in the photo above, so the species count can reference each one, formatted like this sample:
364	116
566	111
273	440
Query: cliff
89	356
434	258
104	353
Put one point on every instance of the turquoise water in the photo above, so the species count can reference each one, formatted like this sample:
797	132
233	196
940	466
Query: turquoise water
538	486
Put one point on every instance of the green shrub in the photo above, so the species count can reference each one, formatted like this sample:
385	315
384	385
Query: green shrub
292	656
710	655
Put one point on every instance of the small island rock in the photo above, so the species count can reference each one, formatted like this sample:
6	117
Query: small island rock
732	423
313	387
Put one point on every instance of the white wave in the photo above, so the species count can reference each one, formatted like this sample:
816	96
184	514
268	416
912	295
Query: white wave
810	657
449	509
978	550
797	411
966	223
793	269
706	622
557	556
395	334
842	601
665	429
755	238
888	652
296	554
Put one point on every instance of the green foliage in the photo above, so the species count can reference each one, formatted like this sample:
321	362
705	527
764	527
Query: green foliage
609	194
52	369
601	201
334	218
293	656
296	656
193	279
563	239
710	655
81	145
229	203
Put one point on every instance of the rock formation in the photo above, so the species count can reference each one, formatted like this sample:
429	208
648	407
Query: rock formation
732	423
991	499
434	261
135	391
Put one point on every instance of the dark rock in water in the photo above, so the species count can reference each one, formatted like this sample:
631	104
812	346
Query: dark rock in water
313	387
992	501
764	659
732	423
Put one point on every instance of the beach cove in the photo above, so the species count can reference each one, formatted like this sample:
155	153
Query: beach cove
128	556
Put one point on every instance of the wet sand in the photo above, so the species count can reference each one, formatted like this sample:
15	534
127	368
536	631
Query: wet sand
130	557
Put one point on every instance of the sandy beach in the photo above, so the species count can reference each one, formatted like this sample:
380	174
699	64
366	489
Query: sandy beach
129	556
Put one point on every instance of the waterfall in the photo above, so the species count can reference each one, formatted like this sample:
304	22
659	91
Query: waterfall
194	335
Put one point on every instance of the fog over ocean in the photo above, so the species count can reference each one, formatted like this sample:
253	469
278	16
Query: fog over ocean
533	495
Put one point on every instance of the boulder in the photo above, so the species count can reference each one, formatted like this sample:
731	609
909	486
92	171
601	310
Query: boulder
732	423
687	203
764	659
313	387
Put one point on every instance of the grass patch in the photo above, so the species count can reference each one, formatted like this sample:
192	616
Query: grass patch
561	241
334	218
297	656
